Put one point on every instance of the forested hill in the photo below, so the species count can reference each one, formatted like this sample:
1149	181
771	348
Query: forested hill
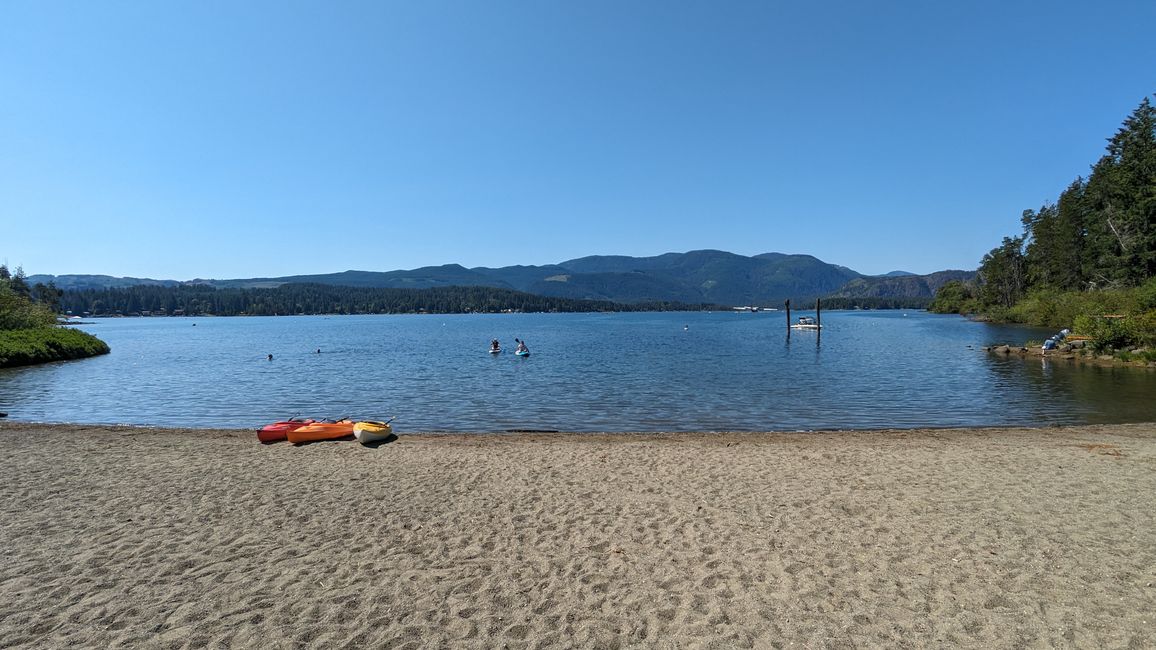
901	286
706	276
198	300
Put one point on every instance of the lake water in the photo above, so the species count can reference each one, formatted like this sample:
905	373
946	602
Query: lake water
587	372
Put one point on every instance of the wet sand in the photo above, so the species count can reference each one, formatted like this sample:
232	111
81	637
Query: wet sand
983	538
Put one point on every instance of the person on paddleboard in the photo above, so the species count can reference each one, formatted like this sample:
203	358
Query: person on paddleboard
494	345
522	346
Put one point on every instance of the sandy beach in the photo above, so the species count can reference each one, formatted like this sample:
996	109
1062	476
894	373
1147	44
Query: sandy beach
988	538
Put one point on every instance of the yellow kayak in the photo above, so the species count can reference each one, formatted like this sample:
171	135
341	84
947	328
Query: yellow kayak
367	432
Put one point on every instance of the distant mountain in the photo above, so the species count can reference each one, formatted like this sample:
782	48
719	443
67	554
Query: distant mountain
897	274
703	276
71	282
428	277
626	287
900	286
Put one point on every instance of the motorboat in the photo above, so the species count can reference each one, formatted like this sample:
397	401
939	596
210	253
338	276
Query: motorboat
806	323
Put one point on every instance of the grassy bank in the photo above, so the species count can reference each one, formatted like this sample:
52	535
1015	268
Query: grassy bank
25	347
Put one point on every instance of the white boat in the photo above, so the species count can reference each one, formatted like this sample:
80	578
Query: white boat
805	323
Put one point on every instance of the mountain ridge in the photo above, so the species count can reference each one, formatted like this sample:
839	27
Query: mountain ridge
697	276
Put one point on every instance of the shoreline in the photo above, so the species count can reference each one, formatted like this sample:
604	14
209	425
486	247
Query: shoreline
1075	357
975	537
247	433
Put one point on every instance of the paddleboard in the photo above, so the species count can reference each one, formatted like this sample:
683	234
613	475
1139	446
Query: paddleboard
523	353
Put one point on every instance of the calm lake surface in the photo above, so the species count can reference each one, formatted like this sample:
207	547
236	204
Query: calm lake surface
587	372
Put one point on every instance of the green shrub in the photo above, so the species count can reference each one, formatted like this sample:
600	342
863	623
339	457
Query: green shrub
17	312
999	315
1051	309
24	347
1146	295
1104	332
1142	328
954	297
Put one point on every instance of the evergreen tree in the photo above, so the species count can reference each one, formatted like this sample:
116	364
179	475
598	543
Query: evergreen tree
1122	196
1003	273
47	295
1071	238
1042	234
19	283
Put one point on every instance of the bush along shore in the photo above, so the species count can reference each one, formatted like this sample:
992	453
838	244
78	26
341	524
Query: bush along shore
31	346
28	330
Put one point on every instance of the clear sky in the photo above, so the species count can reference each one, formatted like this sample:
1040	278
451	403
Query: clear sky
226	139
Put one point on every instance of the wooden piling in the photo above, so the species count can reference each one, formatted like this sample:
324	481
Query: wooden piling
788	304
818	315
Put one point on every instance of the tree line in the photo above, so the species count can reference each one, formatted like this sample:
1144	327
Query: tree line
1089	253
289	299
871	302
1100	234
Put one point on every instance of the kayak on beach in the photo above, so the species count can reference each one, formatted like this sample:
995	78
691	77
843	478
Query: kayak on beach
370	431
279	430
321	431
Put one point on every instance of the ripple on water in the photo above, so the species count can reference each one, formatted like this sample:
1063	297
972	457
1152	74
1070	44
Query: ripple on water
588	372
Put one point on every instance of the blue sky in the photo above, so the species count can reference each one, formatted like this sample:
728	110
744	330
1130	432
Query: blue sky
240	139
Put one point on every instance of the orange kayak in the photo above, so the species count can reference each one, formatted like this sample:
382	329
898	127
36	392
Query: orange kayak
320	431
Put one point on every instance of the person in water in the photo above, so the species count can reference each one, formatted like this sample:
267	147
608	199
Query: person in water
494	345
521	346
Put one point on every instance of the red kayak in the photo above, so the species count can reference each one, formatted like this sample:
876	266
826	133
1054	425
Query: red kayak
280	430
